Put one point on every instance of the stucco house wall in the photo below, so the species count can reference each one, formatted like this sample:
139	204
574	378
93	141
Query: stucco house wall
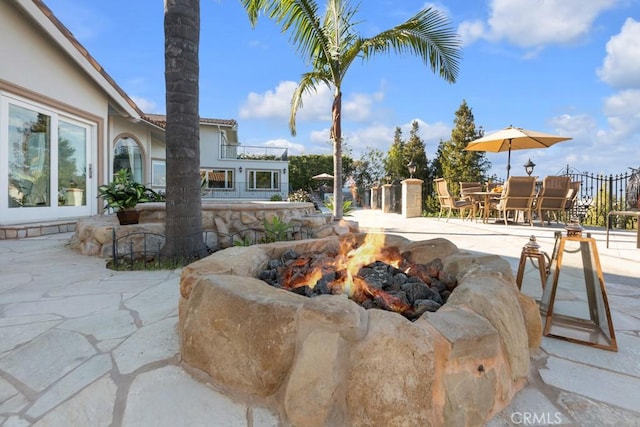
46	72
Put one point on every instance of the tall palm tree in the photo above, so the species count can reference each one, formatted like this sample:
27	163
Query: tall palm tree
331	44
183	221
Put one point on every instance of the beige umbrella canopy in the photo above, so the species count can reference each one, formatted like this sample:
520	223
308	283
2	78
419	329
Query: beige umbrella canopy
514	139
322	176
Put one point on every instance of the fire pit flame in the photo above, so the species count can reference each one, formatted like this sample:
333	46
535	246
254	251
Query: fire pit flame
342	273
348	263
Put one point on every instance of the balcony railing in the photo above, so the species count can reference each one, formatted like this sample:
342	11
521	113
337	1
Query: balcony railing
247	152
242	191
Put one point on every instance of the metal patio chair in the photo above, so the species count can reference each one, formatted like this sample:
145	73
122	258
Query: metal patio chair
552	197
448	202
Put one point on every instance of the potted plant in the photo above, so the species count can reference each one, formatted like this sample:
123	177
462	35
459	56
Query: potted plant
123	194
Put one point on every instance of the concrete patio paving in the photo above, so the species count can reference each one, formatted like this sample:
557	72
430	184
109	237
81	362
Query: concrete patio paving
81	345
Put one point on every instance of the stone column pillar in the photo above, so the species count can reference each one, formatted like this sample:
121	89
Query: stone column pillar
386	198
412	197
374	197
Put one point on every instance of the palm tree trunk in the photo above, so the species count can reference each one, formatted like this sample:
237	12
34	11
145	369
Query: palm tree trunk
183	220
336	125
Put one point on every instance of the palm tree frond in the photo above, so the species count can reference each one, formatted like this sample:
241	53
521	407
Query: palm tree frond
426	35
253	8
307	85
331	43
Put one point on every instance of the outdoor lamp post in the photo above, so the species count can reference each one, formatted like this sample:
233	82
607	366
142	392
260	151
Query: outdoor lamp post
412	168
528	167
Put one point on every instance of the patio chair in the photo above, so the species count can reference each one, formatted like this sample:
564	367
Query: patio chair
552	196
572	198
448	202
492	185
518	195
466	190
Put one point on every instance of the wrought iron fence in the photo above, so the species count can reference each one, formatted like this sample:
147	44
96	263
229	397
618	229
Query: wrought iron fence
598	195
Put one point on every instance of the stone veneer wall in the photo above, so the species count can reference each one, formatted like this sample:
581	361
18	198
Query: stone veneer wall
326	361
94	235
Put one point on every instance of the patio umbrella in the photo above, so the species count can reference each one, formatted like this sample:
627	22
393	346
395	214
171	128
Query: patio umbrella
514	139
322	176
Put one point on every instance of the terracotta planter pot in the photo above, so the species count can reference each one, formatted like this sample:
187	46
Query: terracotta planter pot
129	216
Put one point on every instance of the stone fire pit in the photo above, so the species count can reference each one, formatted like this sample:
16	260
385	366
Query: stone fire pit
326	361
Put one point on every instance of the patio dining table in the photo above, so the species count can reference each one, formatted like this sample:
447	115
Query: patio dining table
486	200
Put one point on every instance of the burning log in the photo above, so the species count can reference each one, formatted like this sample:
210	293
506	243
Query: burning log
374	277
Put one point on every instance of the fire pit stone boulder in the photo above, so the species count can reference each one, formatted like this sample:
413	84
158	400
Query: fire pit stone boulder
327	361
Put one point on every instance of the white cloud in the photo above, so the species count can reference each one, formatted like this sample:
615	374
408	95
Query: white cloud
358	107
601	150
316	106
470	31
430	133
276	104
376	136
145	105
270	104
621	69
320	137
380	136
621	66
534	24
258	44
623	114
293	148
575	126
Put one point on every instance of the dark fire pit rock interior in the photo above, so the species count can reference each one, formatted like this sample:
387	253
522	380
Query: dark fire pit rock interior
371	276
327	361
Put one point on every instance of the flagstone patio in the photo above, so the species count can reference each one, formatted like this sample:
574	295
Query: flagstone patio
84	345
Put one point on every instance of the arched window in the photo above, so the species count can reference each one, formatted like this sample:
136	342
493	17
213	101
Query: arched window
127	155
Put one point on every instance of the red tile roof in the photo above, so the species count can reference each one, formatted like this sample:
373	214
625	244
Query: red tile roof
161	120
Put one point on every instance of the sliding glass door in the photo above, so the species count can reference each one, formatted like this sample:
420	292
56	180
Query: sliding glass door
29	158
47	159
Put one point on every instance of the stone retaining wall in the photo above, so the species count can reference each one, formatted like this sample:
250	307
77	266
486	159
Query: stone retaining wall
228	221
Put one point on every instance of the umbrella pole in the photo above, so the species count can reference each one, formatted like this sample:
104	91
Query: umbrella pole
509	161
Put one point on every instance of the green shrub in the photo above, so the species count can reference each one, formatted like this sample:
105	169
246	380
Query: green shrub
346	206
245	241
275	230
125	193
276	198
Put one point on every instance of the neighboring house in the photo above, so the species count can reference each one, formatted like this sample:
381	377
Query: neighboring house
228	169
66	127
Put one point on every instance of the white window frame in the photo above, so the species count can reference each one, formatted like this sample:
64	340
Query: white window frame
13	215
158	173
228	178
143	159
252	180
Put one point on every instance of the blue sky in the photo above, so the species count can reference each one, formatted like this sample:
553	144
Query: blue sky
568	67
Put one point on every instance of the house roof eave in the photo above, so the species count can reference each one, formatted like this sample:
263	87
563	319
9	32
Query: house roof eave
161	121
